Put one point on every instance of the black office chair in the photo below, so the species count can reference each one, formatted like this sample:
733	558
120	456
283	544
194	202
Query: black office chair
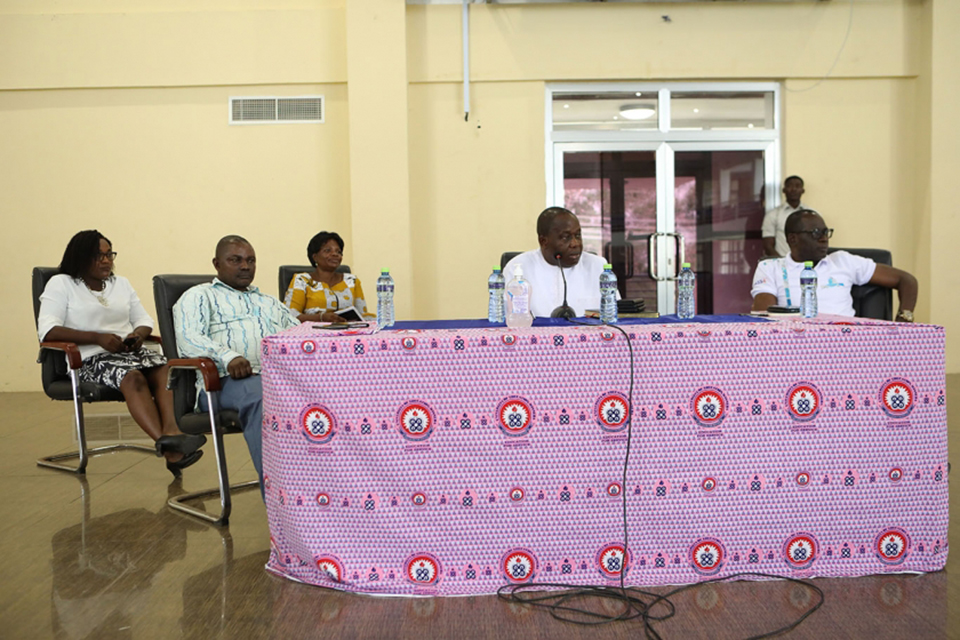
167	289
506	257
58	371
287	272
871	300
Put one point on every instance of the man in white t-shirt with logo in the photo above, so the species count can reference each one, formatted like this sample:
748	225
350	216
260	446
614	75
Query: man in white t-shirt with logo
777	281
558	231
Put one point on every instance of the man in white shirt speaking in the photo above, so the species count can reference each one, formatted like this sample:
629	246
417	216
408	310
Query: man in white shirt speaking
561	246
777	281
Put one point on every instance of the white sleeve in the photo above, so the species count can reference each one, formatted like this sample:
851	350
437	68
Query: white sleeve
138	315
53	306
765	278
769	227
861	268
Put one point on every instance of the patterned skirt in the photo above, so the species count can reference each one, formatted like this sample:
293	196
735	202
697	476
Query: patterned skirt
110	368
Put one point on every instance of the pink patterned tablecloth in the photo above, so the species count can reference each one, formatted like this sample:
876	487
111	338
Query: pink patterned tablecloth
456	461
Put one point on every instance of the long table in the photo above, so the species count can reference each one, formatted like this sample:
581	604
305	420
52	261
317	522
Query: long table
455	460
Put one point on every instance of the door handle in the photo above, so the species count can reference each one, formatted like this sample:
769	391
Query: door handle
652	257
680	254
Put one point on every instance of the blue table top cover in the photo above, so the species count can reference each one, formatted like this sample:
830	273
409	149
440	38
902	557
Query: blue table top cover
561	322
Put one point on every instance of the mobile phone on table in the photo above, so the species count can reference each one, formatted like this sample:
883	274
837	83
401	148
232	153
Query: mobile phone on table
782	309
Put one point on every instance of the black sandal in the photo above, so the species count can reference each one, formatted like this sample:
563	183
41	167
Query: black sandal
183	443
176	467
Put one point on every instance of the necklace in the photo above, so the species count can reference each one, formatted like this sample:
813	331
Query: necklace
102	299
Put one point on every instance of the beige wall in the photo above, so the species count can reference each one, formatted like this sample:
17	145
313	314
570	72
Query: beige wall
113	114
944	186
476	188
161	174
854	141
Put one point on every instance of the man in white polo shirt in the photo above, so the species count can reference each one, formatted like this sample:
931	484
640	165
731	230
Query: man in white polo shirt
558	232
777	281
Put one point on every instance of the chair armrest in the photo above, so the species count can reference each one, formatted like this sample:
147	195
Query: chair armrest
153	338
206	367
69	348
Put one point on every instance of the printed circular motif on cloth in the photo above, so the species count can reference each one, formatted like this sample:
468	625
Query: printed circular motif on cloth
800	550
515	416
318	423
897	397
804	401
330	567
708	406
612	410
422	569
891	545
518	566
706	556
416	420
612	561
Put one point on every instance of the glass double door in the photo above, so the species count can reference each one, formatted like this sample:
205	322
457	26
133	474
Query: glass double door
647	210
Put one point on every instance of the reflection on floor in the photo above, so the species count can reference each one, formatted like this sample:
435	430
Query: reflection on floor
102	557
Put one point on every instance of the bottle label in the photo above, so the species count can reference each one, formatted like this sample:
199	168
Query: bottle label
384	288
805	281
520	303
496	285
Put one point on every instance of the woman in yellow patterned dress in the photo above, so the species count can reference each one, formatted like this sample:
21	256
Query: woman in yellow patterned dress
319	295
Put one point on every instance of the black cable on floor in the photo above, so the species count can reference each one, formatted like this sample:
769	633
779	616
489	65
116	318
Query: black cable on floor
556	597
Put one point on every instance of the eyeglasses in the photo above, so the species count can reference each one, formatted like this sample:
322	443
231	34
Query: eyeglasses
818	233
109	255
328	252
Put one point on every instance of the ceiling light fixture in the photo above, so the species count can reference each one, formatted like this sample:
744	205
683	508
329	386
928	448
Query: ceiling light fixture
638	111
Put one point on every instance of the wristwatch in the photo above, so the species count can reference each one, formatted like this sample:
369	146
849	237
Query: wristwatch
905	315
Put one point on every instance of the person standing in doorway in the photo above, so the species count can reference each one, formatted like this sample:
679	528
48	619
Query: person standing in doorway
774	237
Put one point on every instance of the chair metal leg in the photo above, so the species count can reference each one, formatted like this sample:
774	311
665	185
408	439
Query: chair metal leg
224	488
51	461
84	453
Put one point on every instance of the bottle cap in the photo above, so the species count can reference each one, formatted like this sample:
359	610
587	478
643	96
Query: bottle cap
496	268
685	265
518	271
808	263
384	270
608	266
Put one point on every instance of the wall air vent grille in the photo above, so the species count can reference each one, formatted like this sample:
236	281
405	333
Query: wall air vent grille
266	110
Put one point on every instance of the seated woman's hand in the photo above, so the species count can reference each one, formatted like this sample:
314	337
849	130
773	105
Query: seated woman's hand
330	316
133	341
111	342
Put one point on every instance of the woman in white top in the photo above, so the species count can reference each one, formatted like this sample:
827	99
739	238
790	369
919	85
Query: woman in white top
100	312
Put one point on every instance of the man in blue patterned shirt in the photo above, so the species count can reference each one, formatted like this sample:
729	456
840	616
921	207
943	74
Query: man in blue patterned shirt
225	320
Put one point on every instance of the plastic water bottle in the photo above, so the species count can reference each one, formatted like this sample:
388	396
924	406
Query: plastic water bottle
384	299
608	295
686	303
808	291
518	301
495	285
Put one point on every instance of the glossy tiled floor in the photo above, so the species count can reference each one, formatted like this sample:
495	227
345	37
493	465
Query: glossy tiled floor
102	557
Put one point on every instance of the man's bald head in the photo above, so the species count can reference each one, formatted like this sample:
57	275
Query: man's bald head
548	216
226	241
558	232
